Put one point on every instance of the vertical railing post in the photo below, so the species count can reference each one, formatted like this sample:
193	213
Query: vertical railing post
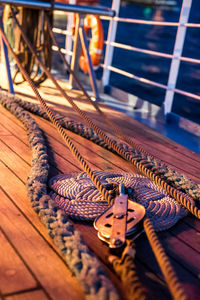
178	48
5	54
86	52
69	38
111	38
76	51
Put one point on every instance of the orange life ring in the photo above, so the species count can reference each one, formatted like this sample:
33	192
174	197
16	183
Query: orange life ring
96	42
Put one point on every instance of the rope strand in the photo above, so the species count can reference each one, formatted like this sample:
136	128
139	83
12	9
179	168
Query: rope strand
173	283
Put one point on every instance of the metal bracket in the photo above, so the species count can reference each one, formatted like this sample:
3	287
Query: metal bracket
118	234
119	221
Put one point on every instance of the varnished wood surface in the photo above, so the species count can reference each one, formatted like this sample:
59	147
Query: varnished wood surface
31	266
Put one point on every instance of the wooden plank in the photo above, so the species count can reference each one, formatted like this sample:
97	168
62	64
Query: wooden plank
161	150
144	254
17	192
32	295
3	131
14	162
182	252
99	157
141	132
11	124
85	146
193	222
19	147
12	270
188	235
19	144
44	263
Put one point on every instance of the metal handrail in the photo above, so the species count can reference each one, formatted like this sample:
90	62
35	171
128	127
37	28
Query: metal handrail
147	22
61	31
151	52
136	49
150	82
141	79
138	21
140	50
64	51
61	6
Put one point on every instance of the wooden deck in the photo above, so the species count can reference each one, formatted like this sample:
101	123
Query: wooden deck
31	267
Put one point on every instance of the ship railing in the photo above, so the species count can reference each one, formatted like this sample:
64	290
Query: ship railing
112	16
176	57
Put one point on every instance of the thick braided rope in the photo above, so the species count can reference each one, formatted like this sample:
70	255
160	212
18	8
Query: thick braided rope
78	257
173	283
146	165
183	199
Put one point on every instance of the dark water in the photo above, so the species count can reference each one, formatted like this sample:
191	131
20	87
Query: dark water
157	38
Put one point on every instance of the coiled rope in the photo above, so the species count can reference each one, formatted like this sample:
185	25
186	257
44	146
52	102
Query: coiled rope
172	281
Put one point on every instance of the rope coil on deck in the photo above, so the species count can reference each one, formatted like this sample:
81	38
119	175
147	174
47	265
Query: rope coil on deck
80	199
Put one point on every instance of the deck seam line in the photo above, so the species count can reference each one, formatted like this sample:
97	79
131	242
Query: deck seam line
35	228
46	135
62	143
21	258
26	291
29	164
191	225
12	171
172	257
182	240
